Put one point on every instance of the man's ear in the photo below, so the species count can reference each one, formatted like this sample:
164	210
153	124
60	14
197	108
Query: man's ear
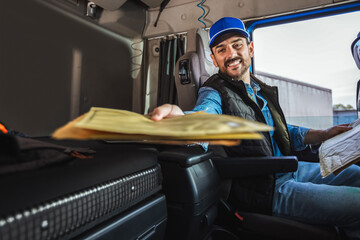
214	61
251	49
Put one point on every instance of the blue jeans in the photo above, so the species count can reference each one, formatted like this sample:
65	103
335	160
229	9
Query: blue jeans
307	197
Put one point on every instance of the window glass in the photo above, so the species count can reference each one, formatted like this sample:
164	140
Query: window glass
312	64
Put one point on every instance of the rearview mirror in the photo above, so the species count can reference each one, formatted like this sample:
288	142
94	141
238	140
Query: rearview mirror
358	98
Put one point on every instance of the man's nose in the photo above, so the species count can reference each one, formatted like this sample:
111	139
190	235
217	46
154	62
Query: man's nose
231	52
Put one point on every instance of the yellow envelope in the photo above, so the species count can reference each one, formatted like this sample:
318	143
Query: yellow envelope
113	124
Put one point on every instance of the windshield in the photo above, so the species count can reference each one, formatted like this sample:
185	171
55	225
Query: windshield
315	54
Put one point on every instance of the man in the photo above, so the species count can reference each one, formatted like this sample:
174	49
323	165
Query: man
302	195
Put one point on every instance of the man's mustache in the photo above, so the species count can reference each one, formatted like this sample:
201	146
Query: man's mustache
227	62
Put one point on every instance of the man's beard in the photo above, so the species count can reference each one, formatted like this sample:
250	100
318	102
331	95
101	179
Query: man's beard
239	77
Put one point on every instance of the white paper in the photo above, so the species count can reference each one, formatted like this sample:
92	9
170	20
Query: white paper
340	151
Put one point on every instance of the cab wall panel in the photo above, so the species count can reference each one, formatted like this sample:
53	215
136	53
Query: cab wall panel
55	65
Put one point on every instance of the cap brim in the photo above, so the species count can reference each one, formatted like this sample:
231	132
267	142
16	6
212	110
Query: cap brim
229	30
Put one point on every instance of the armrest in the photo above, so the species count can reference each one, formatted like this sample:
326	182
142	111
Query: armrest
185	156
235	167
309	154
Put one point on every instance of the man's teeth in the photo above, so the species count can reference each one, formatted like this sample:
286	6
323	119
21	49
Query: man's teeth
234	63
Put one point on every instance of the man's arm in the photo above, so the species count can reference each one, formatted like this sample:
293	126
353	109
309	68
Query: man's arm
317	136
208	101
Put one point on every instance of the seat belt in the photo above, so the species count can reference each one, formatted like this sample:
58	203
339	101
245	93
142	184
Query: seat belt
163	78
172	88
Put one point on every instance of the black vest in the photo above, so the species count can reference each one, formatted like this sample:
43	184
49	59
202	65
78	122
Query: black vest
252	193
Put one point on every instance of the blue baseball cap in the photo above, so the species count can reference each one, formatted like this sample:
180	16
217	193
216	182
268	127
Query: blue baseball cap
227	25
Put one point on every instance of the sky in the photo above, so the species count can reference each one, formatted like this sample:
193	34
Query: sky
314	51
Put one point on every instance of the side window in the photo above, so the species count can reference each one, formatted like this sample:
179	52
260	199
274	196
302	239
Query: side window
312	64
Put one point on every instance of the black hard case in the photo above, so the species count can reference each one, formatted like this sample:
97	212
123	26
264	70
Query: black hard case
113	195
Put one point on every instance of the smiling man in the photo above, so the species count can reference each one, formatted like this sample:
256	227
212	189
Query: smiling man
303	195
233	56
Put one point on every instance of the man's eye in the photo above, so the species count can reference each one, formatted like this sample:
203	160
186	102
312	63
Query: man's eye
221	50
237	45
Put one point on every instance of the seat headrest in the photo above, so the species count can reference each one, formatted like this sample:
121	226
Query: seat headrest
355	49
204	53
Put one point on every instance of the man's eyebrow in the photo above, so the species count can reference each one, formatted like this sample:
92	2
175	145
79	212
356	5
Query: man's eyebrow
235	40
219	46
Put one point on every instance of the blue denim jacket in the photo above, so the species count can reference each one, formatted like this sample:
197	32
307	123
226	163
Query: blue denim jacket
209	101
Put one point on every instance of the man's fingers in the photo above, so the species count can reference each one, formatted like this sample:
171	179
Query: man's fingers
338	129
164	111
157	114
343	128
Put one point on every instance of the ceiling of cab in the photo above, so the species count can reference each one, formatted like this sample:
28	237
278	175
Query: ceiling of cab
152	3
109	4
183	15
116	4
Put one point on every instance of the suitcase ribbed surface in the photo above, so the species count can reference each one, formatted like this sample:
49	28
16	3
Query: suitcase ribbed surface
60	217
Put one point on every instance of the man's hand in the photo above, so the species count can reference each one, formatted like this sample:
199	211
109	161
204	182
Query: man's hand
318	136
333	131
166	111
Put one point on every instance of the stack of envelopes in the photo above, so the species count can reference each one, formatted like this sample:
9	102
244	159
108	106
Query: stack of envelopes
341	151
113	124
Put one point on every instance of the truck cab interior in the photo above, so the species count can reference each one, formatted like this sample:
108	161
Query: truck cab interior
59	58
